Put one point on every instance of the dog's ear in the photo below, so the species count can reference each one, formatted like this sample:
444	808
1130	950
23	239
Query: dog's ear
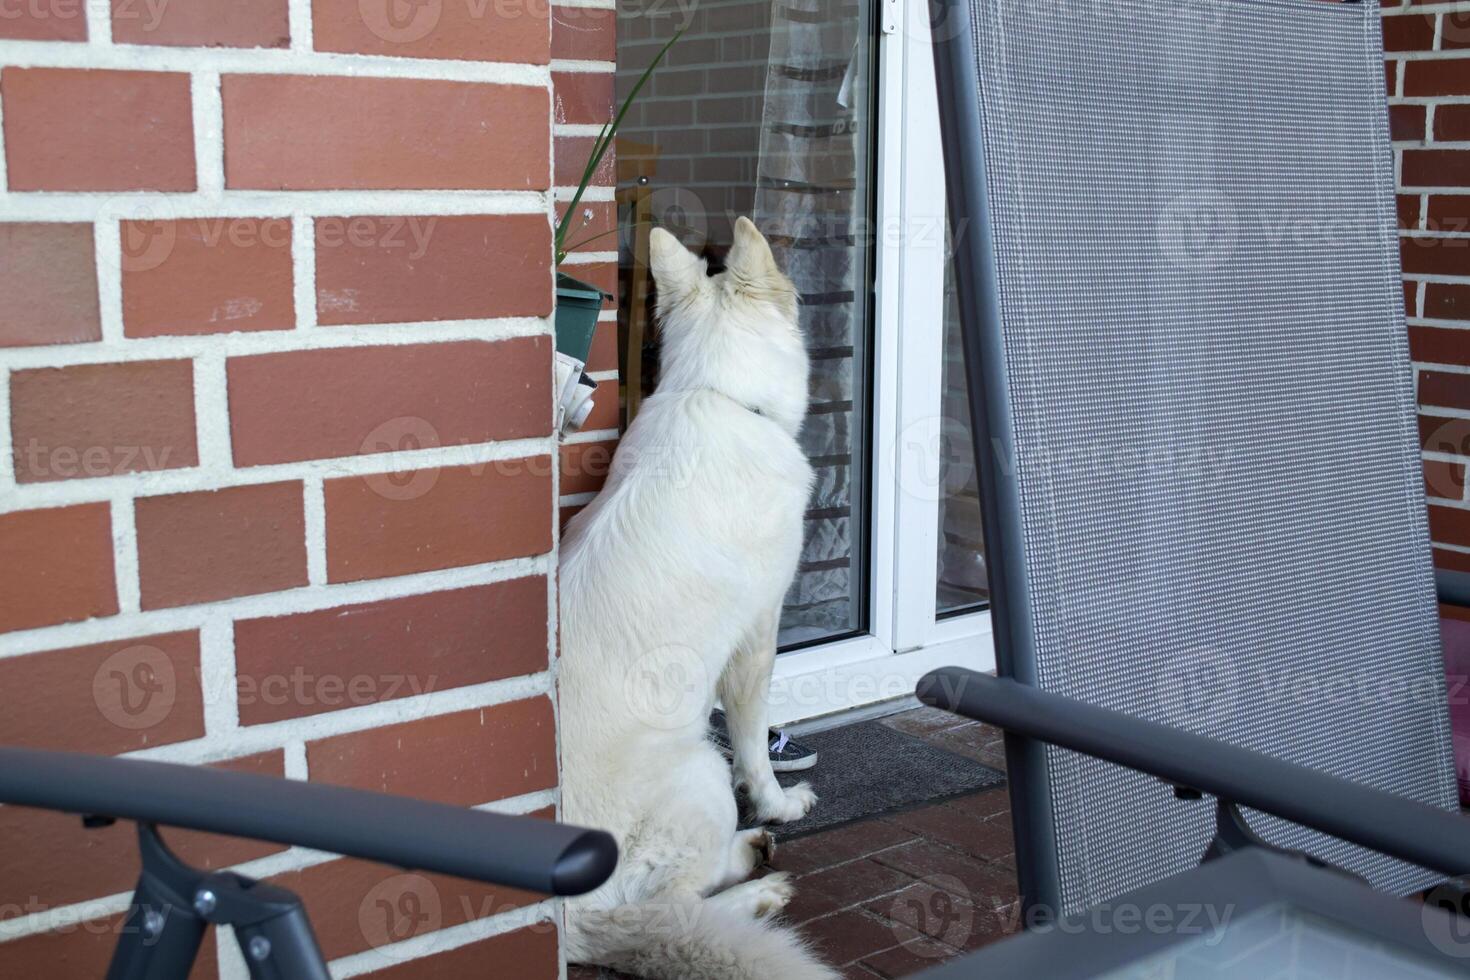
750	257
676	270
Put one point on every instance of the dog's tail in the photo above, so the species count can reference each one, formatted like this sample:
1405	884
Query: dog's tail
691	940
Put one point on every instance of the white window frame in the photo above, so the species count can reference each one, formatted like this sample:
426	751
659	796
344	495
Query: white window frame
905	638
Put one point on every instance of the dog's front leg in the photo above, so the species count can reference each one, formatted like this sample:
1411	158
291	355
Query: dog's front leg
744	688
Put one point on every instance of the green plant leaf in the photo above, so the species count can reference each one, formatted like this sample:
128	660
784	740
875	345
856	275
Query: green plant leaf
603	234
600	146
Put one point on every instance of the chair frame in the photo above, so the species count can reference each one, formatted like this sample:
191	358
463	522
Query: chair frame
1195	764
978	293
977	281
174	904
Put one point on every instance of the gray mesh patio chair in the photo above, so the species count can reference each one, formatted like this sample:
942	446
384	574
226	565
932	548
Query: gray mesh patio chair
1178	270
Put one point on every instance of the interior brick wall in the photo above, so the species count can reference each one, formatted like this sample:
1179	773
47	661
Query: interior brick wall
1428	77
278	481
698	120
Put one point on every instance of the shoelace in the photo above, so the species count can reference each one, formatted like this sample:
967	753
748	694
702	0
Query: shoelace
779	745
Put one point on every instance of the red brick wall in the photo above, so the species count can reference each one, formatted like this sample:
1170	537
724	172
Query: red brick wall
586	36
278	481
1428	50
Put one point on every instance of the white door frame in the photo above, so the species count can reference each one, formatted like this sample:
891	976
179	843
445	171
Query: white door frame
905	638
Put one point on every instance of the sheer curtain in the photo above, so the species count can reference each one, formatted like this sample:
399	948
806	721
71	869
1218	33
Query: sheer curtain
813	201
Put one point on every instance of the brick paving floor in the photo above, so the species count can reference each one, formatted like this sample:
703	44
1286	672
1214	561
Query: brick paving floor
894	895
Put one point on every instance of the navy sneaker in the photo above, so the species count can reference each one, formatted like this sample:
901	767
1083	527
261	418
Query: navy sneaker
787	754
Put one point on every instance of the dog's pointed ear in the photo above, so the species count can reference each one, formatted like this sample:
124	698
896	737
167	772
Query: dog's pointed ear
750	257
676	270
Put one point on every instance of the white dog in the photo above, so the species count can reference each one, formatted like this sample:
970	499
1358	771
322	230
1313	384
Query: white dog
671	590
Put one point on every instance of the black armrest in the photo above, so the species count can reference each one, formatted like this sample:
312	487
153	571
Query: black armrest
522	852
1433	838
1454	587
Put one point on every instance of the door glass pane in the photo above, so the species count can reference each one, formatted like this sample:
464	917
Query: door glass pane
764	108
962	581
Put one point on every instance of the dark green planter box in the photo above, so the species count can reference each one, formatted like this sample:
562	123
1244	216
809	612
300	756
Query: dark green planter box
577	307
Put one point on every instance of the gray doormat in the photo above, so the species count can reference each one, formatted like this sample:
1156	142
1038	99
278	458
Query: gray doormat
868	769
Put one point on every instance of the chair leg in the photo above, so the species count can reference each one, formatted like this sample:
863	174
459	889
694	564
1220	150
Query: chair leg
1232	834
173	904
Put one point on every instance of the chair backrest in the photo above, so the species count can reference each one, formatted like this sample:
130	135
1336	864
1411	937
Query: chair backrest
1177	259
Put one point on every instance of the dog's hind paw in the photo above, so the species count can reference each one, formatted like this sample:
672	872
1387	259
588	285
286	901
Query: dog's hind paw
775	893
759	897
767	846
751	850
762	845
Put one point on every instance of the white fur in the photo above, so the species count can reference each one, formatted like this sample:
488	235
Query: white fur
671	589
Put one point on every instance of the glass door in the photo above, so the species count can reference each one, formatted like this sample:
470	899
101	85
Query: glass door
765	108
818	119
962	583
